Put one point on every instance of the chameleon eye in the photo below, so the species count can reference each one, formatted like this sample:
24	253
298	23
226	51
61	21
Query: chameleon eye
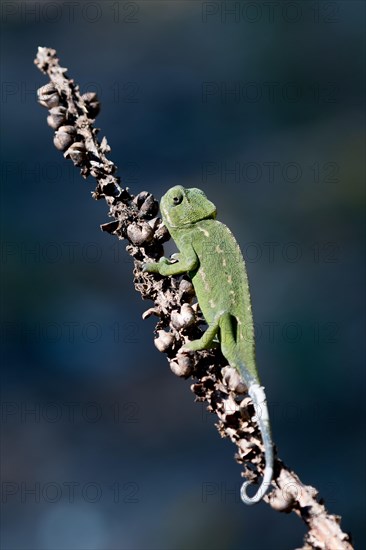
177	199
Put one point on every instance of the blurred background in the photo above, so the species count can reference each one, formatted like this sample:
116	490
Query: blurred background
260	104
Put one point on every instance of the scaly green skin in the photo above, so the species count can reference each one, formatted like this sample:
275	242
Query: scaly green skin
213	260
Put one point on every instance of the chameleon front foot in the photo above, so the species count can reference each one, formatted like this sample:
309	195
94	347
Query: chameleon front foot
155	267
195	345
205	342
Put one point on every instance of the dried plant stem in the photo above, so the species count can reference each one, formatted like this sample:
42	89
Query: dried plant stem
72	116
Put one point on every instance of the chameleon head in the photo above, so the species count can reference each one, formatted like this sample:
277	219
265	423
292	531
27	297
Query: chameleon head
182	207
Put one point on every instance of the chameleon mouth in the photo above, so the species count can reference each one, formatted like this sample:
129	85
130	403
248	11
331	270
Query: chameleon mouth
210	216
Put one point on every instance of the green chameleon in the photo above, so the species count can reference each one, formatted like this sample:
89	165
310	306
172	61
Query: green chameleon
213	260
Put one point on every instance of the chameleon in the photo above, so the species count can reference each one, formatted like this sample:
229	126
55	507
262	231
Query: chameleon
211	256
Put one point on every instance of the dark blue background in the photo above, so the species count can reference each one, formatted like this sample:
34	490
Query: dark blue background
115	450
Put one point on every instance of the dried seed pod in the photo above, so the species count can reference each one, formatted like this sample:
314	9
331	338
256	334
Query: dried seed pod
77	153
164	341
182	366
48	96
244	410
186	289
162	234
110	227
230	406
140	233
233	381
146	203
139	199
245	447
187	314
184	318
176	320
92	103
154	223
57	117
104	147
64	137
281	501
151	311
109	187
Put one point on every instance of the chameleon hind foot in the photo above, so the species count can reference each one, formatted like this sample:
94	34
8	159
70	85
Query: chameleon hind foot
205	342
196	345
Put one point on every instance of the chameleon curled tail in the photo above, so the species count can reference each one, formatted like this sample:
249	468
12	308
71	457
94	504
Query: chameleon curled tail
257	394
